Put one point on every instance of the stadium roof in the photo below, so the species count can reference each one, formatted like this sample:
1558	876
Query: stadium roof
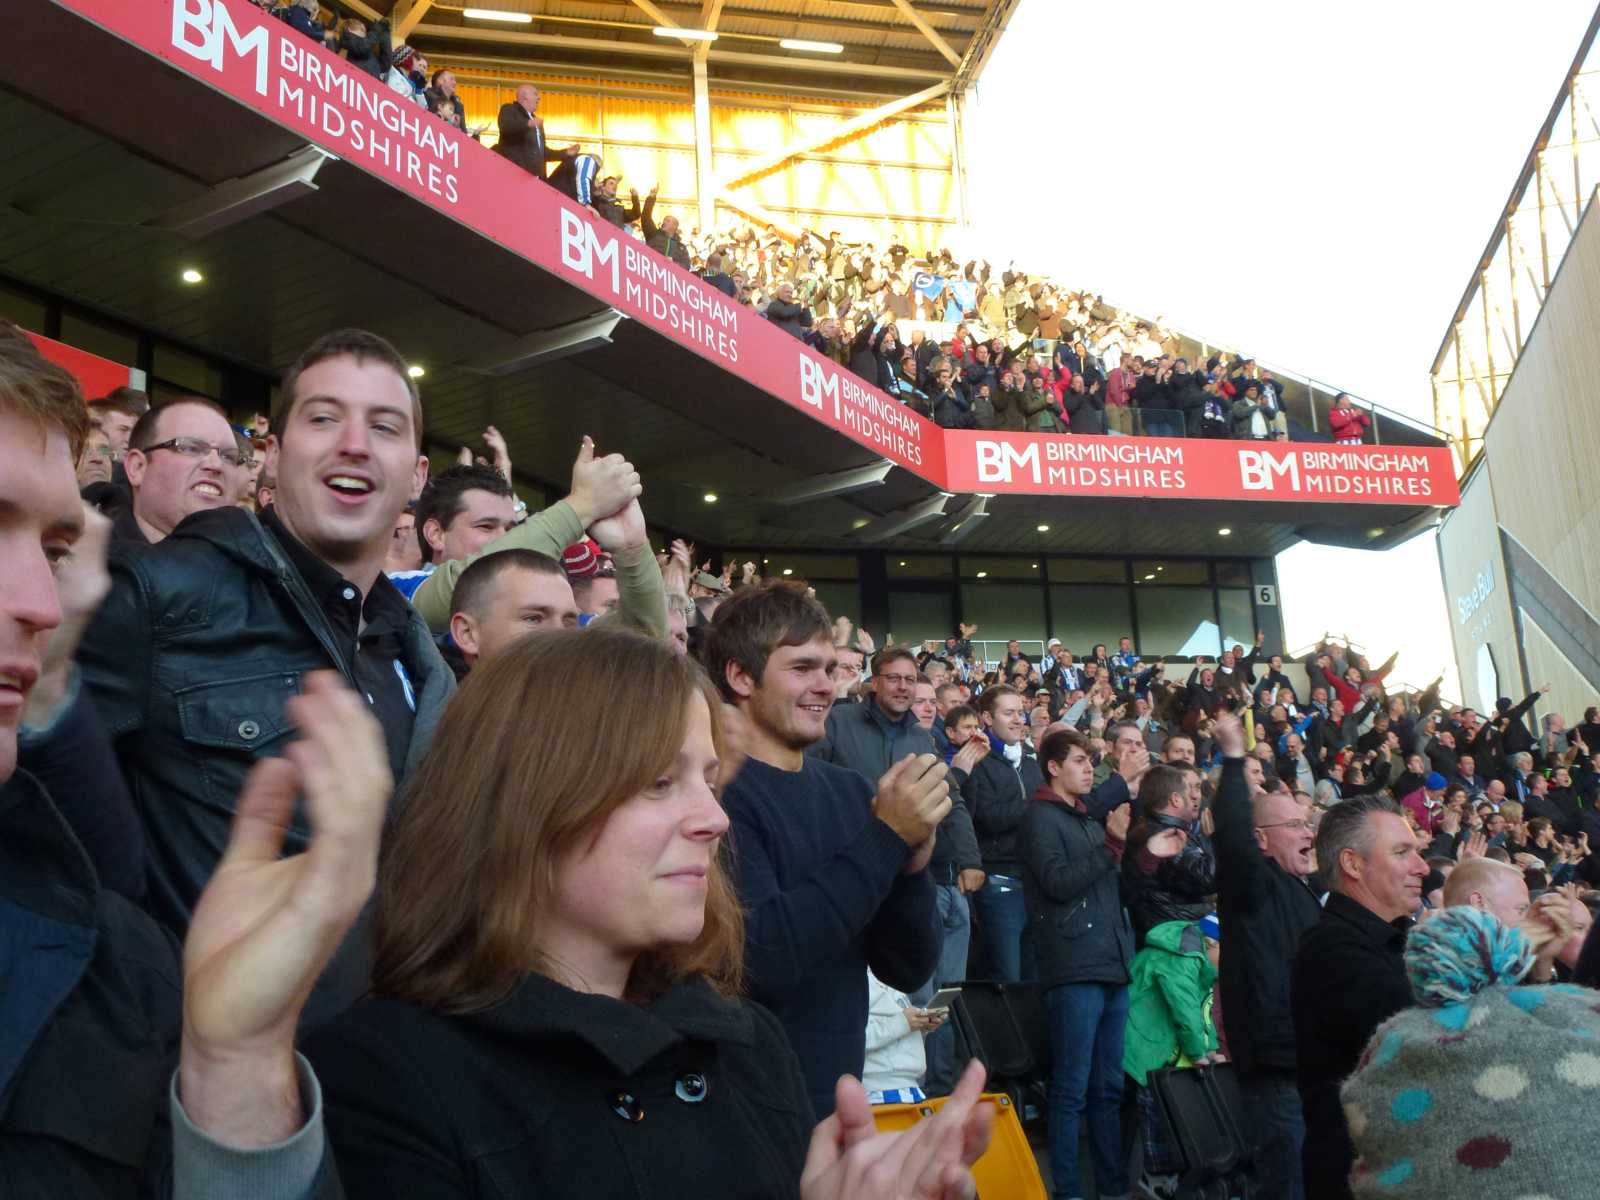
104	203
883	47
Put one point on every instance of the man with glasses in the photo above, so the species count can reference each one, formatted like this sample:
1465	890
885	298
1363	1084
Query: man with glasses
1265	849
870	738
182	458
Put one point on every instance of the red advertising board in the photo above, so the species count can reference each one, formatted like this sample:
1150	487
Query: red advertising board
231	46
95	375
1198	468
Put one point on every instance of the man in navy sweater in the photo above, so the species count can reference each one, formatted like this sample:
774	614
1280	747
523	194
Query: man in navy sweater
831	871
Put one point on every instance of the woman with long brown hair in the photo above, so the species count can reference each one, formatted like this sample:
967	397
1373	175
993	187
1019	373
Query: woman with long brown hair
558	953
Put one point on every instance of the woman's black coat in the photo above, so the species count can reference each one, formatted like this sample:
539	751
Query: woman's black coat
558	1093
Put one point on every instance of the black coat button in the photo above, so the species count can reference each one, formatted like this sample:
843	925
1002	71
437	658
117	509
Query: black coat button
249	730
626	1107
690	1088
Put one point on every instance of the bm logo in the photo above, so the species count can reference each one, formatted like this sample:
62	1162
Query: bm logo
582	250
204	30
997	460
1259	470
817	384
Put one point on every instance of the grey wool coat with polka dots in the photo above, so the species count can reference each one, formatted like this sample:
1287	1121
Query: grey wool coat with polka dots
1486	1099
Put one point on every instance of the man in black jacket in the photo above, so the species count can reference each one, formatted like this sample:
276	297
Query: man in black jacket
715	274
1349	971
1511	723
204	639
794	319
998	791
1265	853
947	404
1084	945
522	134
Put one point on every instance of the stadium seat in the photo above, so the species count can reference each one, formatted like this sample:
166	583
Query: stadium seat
1007	1170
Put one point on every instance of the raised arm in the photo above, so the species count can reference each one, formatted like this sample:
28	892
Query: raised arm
641	593
1240	865
601	485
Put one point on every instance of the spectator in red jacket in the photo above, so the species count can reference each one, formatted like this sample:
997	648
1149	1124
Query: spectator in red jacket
1346	422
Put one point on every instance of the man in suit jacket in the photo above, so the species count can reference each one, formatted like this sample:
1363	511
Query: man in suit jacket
522	134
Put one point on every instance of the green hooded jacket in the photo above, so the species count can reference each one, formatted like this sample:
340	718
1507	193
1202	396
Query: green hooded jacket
1169	1001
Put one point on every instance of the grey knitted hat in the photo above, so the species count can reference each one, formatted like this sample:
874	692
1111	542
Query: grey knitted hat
1477	1091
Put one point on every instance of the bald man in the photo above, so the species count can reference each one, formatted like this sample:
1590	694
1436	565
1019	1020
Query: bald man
1490	886
522	134
1266	847
1499	889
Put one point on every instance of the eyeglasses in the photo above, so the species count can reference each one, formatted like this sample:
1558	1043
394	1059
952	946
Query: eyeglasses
908	680
1302	823
191	447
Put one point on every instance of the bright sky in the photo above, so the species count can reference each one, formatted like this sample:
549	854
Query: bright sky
1311	183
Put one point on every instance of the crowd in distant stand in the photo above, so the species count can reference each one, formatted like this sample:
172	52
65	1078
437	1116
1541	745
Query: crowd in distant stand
1024	355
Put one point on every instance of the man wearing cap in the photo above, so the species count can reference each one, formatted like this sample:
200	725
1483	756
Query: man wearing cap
1052	654
1349	974
1425	802
593	577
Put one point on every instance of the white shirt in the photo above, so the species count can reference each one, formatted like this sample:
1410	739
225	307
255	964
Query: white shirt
895	1058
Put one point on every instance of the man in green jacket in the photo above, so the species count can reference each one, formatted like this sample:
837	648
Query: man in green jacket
1169	1025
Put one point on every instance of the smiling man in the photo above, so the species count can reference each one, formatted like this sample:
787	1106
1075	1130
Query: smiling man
182	458
1349	972
870	738
831	867
460	511
206	636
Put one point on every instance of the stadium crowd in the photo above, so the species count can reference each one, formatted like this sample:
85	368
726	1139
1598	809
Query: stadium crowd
367	834
320	834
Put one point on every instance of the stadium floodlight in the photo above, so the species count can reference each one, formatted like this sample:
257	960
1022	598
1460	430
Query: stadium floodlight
497	14
966	520
548	345
814	47
240	198
837	484
890	524
689	35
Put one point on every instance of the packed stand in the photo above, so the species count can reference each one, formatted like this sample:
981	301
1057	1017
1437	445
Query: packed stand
1007	351
1010	352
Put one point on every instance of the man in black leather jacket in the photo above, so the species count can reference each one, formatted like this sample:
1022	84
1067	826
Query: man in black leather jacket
206	636
1180	888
